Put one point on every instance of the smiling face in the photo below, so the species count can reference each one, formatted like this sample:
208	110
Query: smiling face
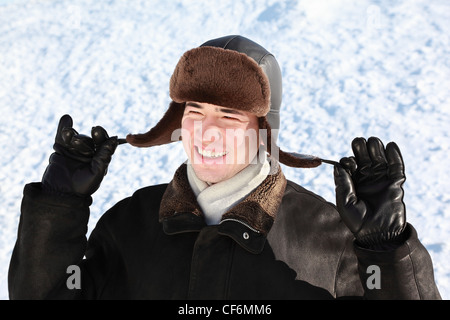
218	141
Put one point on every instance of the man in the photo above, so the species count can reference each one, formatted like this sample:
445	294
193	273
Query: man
229	225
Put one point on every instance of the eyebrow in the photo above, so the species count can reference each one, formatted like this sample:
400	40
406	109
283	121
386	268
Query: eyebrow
224	110
193	104
231	111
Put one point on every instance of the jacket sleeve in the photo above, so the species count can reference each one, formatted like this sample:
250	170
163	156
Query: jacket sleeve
51	237
403	273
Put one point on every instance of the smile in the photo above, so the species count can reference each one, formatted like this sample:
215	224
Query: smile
210	154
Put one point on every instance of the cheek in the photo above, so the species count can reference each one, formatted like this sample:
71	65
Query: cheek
246	138
187	124
188	127
187	131
245	144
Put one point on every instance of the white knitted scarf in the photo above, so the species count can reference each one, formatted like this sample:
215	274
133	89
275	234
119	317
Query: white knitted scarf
218	198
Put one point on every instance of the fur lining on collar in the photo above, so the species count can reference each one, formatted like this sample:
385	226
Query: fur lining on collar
258	210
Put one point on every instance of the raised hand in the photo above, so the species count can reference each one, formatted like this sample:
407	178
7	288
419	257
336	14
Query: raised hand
79	162
369	193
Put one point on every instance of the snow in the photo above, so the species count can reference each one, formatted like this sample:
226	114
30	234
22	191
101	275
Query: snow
350	68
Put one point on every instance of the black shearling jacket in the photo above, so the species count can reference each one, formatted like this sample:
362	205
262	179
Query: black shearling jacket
281	242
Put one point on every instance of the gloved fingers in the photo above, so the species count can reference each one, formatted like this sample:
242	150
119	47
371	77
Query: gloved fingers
352	210
67	133
345	188
65	122
83	145
64	144
76	145
349	164
99	135
396	167
377	153
363	160
103	155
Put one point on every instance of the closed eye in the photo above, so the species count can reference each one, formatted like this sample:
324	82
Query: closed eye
231	118
193	113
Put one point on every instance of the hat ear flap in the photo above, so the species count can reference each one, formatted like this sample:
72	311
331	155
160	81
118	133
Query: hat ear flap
162	132
290	159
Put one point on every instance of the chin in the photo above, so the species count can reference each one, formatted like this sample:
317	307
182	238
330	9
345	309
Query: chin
210	175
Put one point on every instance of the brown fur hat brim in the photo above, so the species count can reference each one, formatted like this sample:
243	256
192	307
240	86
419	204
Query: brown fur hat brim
222	77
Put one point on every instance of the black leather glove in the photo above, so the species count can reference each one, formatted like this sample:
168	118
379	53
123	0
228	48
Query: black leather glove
369	193
79	162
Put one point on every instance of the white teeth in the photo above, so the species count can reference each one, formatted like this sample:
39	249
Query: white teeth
210	154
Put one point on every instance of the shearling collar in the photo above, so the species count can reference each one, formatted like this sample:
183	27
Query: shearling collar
248	222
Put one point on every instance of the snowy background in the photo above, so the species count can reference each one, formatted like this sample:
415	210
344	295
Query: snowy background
350	68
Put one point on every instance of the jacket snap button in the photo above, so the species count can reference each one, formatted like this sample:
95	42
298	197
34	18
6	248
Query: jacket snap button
245	235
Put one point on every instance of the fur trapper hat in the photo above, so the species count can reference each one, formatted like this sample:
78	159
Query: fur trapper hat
232	72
